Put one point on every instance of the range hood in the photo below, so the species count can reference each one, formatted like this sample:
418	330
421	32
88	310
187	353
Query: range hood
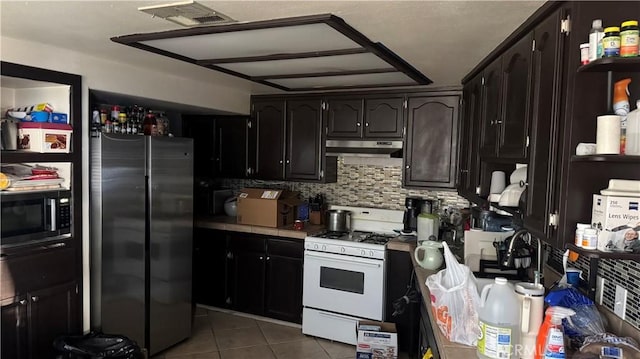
358	148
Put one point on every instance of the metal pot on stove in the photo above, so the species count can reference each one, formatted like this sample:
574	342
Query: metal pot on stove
338	220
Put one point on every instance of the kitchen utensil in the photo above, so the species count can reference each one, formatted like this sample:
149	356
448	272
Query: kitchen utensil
432	258
338	220
531	299
10	134
428	225
413	206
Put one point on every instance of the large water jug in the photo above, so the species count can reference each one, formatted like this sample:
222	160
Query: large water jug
499	317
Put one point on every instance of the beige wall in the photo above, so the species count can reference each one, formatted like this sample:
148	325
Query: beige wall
100	74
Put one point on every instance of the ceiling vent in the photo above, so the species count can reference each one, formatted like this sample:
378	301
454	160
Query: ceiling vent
187	13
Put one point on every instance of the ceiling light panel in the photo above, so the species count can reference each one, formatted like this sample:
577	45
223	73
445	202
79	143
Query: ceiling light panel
383	79
263	42
309	65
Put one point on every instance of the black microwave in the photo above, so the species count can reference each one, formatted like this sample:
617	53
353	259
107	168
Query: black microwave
34	216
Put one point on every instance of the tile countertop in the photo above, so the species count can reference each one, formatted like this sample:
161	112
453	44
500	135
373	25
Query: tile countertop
446	348
226	223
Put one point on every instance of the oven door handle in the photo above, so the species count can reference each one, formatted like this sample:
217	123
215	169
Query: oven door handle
351	260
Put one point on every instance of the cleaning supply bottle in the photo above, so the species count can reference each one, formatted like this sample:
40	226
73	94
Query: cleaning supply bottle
633	131
550	341
621	108
499	317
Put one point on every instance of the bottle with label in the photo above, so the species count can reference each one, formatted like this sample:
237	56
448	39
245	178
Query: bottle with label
550	342
595	40
629	39
611	42
499	319
590	239
115	114
580	227
150	125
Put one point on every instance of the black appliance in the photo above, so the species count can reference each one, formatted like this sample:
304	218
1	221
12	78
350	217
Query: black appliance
413	206
35	216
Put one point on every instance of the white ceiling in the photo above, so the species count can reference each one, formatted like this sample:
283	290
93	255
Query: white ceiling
442	39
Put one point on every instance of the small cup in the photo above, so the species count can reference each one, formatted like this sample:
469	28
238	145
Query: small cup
573	276
298	225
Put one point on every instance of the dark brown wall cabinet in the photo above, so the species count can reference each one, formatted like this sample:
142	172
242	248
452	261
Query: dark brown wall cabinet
365	117
430	149
249	273
535	86
222	146
469	172
290	140
506	85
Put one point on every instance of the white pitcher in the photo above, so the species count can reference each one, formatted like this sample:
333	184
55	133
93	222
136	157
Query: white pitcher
432	258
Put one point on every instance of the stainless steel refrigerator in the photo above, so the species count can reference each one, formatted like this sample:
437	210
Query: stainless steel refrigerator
141	199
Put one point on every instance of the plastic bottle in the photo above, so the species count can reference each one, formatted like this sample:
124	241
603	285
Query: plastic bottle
580	227
611	42
550	342
621	108
629	39
499	318
590	239
595	40
633	131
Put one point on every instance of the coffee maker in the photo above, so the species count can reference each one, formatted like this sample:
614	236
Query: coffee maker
413	206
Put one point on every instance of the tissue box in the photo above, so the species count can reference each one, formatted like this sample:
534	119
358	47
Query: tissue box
377	340
44	137
618	222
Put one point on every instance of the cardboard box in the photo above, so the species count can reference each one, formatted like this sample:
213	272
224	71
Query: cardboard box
58	117
618	222
377	340
267	207
44	137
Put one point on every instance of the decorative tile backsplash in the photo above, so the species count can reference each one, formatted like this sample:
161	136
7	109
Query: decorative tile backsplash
358	185
625	273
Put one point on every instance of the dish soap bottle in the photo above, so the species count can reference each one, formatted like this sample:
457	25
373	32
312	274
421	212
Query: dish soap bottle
550	342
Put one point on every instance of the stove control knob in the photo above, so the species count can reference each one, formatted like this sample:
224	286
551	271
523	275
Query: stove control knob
371	253
362	252
342	249
315	246
324	248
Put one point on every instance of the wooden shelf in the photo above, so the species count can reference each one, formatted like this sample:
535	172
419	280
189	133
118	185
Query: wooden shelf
22	156
618	64
606	158
599	254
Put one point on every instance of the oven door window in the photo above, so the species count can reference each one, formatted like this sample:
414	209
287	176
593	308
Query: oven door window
23	217
340	279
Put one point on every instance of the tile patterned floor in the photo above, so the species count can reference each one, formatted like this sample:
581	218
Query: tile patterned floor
219	335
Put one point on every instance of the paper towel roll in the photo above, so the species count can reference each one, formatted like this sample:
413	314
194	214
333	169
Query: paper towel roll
608	135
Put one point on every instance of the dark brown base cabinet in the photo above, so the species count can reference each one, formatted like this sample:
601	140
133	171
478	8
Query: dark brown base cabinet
431	145
249	273
557	109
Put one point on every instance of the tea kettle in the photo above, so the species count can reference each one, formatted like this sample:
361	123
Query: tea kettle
432	258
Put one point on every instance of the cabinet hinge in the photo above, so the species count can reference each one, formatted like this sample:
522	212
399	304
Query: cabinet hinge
554	219
325	106
249	171
565	25
249	124
527	142
482	82
253	107
404	104
321	174
478	190
533	45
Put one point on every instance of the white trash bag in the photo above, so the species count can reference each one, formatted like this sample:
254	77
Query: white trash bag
455	301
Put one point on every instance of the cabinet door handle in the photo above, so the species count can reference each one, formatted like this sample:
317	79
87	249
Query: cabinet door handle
35	298
498	122
22	302
268	258
261	257
366	124
288	161
464	171
358	124
408	166
280	161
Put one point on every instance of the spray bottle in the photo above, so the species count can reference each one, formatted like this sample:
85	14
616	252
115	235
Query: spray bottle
621	108
550	341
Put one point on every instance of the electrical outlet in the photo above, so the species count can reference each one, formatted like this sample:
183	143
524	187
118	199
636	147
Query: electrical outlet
620	304
599	289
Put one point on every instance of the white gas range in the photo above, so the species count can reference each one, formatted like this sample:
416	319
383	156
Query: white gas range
344	274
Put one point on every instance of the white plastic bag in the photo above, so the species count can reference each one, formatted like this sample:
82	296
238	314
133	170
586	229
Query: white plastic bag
455	301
